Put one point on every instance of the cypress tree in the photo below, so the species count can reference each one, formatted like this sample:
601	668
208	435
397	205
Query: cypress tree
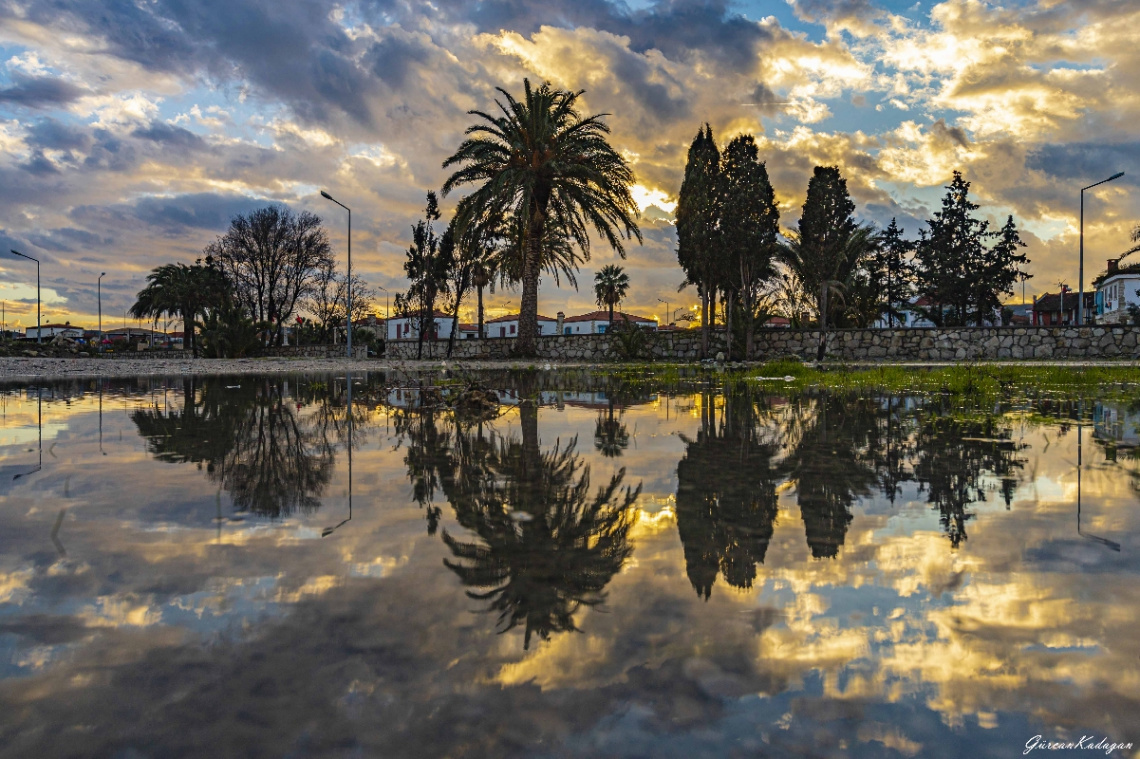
697	222
749	225
894	270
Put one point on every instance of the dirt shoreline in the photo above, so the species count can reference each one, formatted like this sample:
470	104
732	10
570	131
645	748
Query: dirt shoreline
23	369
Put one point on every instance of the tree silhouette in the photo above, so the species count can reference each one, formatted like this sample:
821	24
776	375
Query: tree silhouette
726	495
953	455
610	434
544	547
832	464
544	163
271	461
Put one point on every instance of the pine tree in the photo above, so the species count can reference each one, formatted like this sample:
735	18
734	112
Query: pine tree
697	222
893	269
1004	265
954	266
749	225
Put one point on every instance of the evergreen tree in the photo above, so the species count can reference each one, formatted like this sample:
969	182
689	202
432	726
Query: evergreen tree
951	257
829	247
893	269
697	222
749	225
427	269
1003	266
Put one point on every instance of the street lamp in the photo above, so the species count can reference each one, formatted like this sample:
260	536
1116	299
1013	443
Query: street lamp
326	196
99	288
39	331
1081	275
666	307
386	294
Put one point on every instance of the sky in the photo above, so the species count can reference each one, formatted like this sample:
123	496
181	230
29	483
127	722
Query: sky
132	132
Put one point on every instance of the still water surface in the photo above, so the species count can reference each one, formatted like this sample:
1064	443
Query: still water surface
244	567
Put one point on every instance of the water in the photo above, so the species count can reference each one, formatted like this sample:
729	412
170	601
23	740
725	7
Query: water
240	567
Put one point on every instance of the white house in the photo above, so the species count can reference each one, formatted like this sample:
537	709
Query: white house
598	322
48	331
407	327
508	326
1116	292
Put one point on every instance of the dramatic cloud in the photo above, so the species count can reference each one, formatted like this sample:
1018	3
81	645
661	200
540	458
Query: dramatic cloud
153	123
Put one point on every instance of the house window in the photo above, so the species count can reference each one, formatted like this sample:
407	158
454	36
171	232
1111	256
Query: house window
502	331
512	329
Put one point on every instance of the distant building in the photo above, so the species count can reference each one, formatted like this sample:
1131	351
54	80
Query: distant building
407	326
508	326
1115	292
48	331
598	322
1060	309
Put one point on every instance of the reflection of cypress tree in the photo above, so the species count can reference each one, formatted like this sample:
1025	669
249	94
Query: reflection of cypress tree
726	496
952	455
832	464
544	547
250	440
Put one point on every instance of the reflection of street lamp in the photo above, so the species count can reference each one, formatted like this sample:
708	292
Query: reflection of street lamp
1081	275
326	196
39	331
1095	538
330	530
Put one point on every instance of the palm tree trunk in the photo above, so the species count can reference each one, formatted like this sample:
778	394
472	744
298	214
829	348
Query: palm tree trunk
480	312
610	328
528	305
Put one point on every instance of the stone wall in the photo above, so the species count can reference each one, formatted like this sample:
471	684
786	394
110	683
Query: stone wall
682	346
314	351
969	343
972	343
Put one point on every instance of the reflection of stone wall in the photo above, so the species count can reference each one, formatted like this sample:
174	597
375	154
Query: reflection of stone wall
953	344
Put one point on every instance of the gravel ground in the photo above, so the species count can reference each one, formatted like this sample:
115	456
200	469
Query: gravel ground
22	369
49	368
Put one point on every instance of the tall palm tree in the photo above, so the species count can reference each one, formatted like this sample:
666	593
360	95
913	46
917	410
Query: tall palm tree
543	162
611	284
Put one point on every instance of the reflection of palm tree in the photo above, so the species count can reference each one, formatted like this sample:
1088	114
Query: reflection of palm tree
726	496
271	461
610	435
544	547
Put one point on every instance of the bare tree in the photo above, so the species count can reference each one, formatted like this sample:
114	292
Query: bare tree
328	296
273	258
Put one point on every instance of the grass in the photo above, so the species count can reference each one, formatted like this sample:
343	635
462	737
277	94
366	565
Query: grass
977	383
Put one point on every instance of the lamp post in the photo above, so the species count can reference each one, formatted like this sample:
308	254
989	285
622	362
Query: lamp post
39	331
667	313
99	287
386	294
1081	275
326	196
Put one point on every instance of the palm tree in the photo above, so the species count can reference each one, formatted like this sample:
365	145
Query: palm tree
182	292
543	162
611	284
